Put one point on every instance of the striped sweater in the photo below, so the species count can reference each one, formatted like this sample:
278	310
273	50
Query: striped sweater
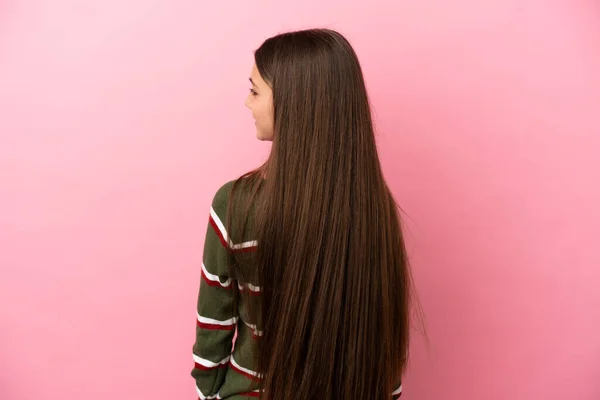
222	366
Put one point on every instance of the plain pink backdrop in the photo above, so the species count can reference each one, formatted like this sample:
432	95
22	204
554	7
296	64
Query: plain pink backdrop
120	119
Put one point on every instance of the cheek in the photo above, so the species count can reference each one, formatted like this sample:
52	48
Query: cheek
259	111
266	111
262	112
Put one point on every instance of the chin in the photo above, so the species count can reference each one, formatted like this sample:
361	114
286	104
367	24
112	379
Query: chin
262	137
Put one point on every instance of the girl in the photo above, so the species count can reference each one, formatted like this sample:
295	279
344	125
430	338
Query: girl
304	262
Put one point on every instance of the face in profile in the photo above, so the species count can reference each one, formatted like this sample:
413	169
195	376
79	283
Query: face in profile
260	103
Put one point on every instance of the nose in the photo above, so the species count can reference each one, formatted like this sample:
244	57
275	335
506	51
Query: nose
247	103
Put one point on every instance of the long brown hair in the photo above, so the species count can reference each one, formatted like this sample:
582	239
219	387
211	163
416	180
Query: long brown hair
330	260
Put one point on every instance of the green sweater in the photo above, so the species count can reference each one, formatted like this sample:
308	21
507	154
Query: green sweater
222	365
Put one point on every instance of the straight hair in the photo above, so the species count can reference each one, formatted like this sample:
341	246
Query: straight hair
330	260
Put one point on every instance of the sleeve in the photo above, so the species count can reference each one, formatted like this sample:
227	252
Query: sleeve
216	314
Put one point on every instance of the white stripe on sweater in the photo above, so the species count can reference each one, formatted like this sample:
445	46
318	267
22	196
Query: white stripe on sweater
397	391
253	327
215	278
250	286
204	320
246	370
203	397
209	364
235	246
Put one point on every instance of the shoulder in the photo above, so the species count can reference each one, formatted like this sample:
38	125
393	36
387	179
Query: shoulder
242	209
224	194
221	197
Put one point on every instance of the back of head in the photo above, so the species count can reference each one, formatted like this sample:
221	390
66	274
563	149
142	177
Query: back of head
330	258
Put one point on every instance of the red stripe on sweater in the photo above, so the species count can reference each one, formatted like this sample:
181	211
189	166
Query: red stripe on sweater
215	326
203	368
252	292
213	283
246	249
217	231
249	394
247	375
222	239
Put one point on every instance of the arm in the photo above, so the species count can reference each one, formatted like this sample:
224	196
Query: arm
216	315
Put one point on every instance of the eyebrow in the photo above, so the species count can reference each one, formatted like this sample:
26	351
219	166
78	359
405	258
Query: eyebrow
252	82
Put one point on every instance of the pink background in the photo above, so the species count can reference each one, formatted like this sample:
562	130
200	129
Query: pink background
120	119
